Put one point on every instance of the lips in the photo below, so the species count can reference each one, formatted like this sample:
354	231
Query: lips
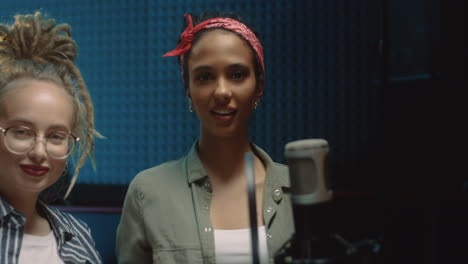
223	115
34	170
223	112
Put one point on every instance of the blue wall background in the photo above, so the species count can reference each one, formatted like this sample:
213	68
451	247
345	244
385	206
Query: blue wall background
317	77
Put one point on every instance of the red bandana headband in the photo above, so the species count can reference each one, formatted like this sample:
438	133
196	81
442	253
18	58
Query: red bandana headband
186	37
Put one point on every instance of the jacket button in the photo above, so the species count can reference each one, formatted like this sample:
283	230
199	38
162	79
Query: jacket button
277	195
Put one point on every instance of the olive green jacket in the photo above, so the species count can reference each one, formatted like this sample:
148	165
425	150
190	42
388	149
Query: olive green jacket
166	218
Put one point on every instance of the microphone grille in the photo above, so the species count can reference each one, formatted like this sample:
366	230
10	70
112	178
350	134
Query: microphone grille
305	148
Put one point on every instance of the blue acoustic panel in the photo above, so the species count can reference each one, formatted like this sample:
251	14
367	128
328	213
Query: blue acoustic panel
317	81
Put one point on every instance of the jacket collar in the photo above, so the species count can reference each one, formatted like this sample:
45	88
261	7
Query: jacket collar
196	171
59	225
5	208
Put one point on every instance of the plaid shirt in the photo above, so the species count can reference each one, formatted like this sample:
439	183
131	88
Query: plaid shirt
74	241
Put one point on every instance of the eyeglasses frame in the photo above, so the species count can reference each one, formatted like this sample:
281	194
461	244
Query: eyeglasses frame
4	130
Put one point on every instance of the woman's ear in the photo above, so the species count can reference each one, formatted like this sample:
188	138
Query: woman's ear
259	91
189	99
260	86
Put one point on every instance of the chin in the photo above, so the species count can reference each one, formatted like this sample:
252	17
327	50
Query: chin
35	187
230	135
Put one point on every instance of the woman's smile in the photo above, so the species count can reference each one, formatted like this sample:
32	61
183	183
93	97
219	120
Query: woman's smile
222	84
34	170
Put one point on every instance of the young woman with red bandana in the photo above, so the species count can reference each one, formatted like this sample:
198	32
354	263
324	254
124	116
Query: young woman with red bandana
195	209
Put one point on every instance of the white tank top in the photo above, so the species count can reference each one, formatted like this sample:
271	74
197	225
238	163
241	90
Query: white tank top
233	246
39	250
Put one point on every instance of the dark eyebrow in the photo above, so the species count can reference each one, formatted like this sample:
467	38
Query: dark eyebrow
238	65
202	68
208	68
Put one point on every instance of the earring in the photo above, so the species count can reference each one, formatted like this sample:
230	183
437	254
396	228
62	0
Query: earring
190	106
255	105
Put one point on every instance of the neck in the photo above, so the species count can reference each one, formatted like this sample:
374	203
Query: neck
223	157
26	203
23	202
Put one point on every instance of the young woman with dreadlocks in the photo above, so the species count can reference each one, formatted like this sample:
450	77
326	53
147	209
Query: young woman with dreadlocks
46	115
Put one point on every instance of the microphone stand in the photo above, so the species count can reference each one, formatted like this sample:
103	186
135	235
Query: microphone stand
320	246
315	241
250	174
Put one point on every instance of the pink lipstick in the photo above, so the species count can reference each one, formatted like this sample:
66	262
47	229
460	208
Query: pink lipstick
34	170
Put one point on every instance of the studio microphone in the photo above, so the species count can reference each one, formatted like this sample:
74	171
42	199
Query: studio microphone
310	192
314	240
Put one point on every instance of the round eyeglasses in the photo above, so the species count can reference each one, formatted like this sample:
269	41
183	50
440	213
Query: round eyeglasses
20	140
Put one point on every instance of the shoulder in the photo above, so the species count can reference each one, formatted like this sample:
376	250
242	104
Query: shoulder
159	180
282	169
278	172
161	173
279	166
67	220
76	234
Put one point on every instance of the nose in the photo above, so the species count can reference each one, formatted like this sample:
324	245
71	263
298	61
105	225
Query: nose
223	92
38	152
